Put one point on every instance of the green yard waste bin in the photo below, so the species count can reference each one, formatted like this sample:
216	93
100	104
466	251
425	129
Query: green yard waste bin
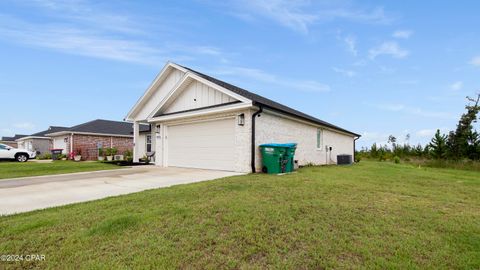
289	156
273	158
277	157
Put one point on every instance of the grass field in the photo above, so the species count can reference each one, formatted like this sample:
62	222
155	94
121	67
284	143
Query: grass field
370	215
17	169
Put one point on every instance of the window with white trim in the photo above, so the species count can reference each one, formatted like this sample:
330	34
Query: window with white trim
148	142
319	138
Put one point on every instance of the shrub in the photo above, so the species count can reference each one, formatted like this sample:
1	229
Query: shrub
128	155
114	151
45	156
396	159
100	152
357	158
108	151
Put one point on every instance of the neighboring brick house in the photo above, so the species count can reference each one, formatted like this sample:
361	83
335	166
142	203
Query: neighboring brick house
38	142
88	137
10	141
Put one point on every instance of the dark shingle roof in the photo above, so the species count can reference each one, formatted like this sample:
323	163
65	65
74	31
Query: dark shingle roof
11	139
51	129
268	103
144	128
104	127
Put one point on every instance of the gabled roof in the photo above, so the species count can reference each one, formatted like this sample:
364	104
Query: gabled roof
12	139
268	103
51	129
102	126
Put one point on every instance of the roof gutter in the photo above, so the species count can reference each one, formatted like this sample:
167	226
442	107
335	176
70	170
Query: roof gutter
307	120
254	115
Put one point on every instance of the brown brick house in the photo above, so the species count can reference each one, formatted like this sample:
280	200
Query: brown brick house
90	136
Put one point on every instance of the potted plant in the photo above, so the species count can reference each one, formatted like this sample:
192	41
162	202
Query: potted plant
146	159
128	156
101	153
114	151
71	155
108	153
78	155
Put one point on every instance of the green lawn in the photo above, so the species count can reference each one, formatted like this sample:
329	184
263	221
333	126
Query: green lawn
370	215
17	169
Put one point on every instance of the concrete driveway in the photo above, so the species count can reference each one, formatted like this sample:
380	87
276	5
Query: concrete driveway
32	193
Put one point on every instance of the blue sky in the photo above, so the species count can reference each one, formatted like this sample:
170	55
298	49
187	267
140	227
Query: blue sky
376	68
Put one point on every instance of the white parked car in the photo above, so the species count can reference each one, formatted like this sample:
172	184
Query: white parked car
20	155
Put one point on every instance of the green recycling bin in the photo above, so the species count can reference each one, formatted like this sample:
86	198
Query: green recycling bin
276	157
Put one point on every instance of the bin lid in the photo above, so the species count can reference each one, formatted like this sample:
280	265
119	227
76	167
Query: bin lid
283	145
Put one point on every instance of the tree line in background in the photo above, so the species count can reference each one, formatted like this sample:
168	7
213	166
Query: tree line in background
459	144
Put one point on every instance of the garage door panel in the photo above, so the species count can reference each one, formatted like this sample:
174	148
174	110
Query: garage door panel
207	145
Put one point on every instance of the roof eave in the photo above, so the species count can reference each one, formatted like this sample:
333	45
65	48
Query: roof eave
259	104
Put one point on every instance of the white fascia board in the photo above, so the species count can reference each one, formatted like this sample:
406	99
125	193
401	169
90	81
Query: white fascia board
185	80
222	109
32	137
279	114
165	100
87	133
152	87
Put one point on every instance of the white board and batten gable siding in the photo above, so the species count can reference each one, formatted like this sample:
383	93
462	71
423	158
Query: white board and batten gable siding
159	94
197	95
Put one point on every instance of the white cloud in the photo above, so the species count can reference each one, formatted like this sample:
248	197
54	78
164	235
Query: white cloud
86	29
77	41
351	45
456	86
291	14
388	48
24	125
262	76
256	74
401	108
428	133
6	132
475	61
404	34
348	73
299	15
309	86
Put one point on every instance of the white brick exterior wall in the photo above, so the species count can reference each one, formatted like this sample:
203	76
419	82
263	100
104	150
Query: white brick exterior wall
273	128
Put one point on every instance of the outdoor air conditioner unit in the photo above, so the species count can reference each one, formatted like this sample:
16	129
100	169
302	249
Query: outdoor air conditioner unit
344	159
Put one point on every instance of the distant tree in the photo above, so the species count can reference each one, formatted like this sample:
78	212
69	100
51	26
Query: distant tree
418	151
438	146
459	142
407	138
374	151
393	141
473	146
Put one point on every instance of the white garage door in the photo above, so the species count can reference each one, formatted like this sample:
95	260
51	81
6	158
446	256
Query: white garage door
204	145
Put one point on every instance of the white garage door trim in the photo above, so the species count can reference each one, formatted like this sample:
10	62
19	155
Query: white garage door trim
206	144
